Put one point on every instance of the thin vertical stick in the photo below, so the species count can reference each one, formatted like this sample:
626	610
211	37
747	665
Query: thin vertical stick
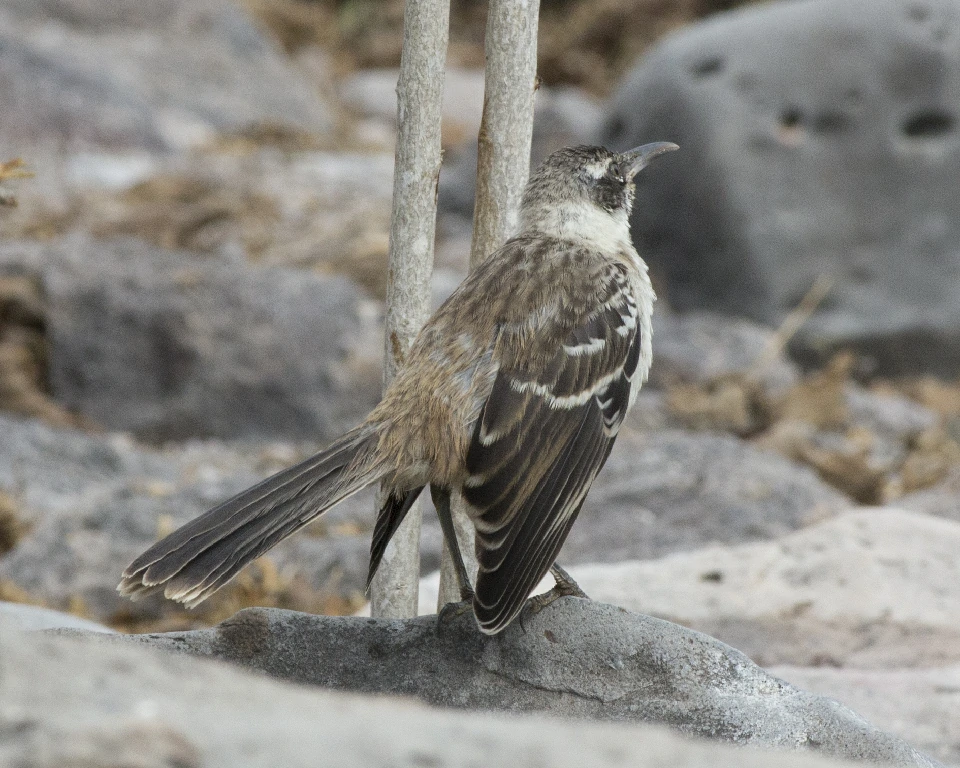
503	164
426	25
506	130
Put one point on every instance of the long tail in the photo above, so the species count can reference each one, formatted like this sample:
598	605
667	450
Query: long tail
196	560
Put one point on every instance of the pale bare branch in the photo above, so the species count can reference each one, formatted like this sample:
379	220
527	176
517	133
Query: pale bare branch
503	164
412	228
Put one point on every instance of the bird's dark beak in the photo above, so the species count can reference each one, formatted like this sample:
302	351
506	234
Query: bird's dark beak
637	159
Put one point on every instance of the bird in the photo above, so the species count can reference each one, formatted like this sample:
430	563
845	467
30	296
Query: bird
512	395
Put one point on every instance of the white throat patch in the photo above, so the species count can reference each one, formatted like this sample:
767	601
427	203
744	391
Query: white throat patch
601	230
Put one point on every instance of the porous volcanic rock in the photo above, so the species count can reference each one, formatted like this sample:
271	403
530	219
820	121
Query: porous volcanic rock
818	138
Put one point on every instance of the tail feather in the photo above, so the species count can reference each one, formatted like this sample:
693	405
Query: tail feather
197	559
394	510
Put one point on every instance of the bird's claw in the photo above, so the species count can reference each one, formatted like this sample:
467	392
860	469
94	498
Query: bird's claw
565	586
452	611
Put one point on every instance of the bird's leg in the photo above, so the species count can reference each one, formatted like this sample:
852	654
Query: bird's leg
565	583
441	500
564	587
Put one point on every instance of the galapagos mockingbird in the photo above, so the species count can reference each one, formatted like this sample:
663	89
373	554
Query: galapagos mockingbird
512	394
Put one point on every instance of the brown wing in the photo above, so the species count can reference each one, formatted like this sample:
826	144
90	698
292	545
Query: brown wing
544	432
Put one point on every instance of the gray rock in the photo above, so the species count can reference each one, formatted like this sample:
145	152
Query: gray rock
158	76
171	346
94	502
666	491
94	17
72	702
942	500
919	705
33	617
888	416
892	421
818	138
700	346
564	115
577	659
873	588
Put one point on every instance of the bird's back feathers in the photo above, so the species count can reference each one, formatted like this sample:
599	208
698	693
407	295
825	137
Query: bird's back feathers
544	433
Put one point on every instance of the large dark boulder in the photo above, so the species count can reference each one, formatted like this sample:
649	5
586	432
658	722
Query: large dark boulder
817	138
169	345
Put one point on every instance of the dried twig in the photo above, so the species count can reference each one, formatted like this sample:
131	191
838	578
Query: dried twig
506	130
9	170
792	323
503	164
394	591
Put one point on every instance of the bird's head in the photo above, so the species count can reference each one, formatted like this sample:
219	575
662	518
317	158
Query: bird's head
586	193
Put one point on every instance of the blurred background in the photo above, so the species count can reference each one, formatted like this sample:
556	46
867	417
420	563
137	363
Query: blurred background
192	267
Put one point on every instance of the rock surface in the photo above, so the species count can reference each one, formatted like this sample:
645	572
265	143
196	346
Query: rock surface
72	702
672	490
872	588
818	138
700	346
942	500
919	705
576	658
91	503
372	93
171	346
28	618
161	76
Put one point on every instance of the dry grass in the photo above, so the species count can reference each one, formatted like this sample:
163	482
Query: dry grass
23	355
732	403
12	593
260	584
589	43
811	423
11	170
12	527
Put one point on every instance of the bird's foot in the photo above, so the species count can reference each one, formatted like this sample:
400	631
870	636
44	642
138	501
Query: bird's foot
454	610
565	584
565	587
